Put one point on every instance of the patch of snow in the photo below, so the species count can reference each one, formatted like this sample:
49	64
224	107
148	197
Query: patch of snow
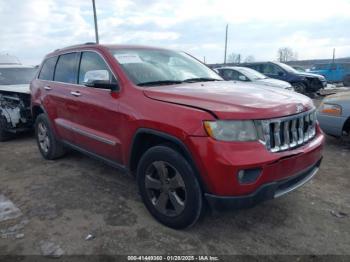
7	209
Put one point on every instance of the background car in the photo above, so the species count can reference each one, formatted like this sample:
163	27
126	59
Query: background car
249	75
15	115
334	114
304	83
335	72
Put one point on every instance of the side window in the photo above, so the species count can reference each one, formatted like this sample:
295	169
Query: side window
228	74
48	69
66	68
91	61
271	69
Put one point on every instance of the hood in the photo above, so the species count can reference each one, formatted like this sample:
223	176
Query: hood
311	75
228	100
273	82
341	96
24	89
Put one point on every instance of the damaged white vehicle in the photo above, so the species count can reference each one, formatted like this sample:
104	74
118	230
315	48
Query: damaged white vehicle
15	114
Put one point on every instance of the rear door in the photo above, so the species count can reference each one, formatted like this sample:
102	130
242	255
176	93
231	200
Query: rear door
61	104
96	120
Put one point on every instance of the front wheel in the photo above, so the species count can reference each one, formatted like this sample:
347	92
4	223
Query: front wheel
346	81
300	88
4	135
169	187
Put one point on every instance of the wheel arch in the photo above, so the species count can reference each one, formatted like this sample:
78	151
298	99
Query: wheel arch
146	138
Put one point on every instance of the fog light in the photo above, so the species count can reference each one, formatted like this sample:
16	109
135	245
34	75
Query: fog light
248	176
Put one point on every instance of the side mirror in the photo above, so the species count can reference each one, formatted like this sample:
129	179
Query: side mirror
99	79
242	78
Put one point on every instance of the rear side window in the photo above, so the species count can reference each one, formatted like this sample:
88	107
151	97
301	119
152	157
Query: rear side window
66	68
92	61
48	69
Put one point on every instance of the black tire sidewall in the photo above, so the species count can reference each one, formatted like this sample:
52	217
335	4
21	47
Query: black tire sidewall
194	201
52	152
4	136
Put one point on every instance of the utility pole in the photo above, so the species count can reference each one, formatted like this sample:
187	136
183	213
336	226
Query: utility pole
95	20
204	59
333	54
226	44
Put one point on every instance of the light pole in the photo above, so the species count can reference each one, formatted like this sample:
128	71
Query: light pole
225	44
95	20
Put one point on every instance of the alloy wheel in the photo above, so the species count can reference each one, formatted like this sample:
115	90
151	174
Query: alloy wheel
43	137
165	188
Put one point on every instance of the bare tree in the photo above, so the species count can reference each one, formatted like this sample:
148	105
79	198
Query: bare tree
285	54
234	58
249	59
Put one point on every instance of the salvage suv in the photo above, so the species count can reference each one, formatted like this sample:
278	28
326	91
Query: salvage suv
190	138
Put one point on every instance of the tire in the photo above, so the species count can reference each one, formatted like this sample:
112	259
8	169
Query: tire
49	147
346	81
4	136
169	187
300	88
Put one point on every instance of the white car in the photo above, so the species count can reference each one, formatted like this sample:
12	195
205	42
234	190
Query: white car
15	115
248	75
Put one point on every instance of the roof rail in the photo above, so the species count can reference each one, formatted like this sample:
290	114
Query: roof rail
87	43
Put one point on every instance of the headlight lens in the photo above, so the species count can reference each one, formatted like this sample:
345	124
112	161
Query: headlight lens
231	130
330	109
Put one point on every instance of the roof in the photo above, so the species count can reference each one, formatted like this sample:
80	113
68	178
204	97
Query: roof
15	66
99	46
9	59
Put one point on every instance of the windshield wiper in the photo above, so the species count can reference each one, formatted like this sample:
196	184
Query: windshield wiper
200	79
160	82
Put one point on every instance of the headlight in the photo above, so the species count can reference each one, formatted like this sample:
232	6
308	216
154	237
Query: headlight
231	130
330	109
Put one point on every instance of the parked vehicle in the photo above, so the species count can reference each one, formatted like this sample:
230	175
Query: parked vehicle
15	111
250	76
188	135
304	83
334	114
299	68
334	72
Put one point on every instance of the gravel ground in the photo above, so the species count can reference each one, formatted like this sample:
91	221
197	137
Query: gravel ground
62	202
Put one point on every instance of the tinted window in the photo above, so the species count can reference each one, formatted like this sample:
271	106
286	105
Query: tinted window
66	68
48	68
92	61
270	69
229	74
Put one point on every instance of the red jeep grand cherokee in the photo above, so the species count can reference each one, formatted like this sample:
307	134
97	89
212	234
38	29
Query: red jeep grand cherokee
191	138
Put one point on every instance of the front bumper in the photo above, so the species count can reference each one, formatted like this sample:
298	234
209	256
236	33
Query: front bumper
219	163
265	192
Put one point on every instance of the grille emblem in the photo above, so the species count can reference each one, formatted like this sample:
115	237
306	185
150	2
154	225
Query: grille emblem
300	108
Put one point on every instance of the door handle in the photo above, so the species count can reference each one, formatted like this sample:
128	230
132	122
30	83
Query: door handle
47	88
75	93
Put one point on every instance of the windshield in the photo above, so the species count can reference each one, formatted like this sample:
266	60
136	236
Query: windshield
154	67
16	76
287	68
251	73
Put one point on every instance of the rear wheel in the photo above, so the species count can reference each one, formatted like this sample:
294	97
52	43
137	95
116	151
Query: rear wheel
49	147
169	187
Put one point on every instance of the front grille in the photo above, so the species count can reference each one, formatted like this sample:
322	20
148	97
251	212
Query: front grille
280	134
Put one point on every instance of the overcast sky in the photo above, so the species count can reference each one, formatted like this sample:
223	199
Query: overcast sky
31	28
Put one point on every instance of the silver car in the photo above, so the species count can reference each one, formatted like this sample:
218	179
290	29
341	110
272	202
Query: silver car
334	114
248	75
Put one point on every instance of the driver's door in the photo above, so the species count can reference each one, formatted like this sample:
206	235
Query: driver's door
97	119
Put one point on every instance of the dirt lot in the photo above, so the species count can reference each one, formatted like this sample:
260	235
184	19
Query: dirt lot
62	202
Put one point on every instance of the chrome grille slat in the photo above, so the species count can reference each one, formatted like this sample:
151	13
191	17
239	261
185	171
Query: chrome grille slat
285	133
